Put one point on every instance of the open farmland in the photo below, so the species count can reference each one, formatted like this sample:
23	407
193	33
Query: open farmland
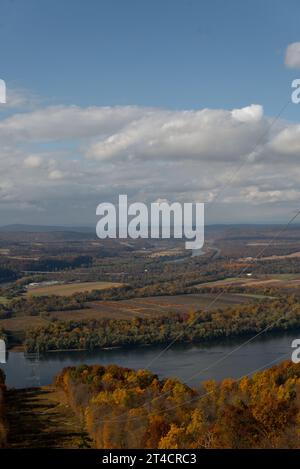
150	306
281	281
147	307
68	289
294	255
19	324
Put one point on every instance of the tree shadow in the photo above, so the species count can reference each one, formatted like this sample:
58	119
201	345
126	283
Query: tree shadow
38	422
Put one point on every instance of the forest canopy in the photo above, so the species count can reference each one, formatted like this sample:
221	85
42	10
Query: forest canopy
123	408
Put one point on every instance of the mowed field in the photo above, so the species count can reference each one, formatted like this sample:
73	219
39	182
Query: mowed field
69	289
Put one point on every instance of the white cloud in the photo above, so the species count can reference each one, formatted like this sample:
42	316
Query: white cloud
55	174
257	195
82	156
204	134
19	99
292	55
253	113
287	141
56	123
32	161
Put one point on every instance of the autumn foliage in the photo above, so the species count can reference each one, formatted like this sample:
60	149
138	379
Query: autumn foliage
123	408
280	315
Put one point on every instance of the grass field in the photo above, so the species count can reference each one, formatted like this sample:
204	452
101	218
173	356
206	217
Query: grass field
70	288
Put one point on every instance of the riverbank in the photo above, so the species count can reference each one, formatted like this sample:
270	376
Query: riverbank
191	363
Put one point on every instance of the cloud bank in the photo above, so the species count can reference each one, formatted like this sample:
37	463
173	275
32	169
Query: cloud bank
58	162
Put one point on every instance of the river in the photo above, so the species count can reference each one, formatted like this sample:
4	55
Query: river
190	363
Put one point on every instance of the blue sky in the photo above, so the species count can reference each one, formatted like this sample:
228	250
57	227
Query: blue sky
169	53
157	99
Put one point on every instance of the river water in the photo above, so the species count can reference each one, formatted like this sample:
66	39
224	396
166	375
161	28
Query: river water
190	363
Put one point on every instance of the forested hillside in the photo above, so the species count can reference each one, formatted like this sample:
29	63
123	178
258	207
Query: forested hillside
123	408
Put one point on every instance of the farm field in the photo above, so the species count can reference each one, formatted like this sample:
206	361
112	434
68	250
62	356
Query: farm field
294	255
282	281
128	309
4	301
69	289
21	323
284	276
150	306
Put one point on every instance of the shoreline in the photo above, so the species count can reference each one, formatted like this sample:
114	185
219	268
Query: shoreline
226	340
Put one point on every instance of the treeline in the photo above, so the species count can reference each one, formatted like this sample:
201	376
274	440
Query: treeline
3	431
33	306
278	315
49	263
8	275
58	263
290	265
123	408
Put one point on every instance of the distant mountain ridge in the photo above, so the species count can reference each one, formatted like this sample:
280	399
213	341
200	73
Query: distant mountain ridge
46	228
